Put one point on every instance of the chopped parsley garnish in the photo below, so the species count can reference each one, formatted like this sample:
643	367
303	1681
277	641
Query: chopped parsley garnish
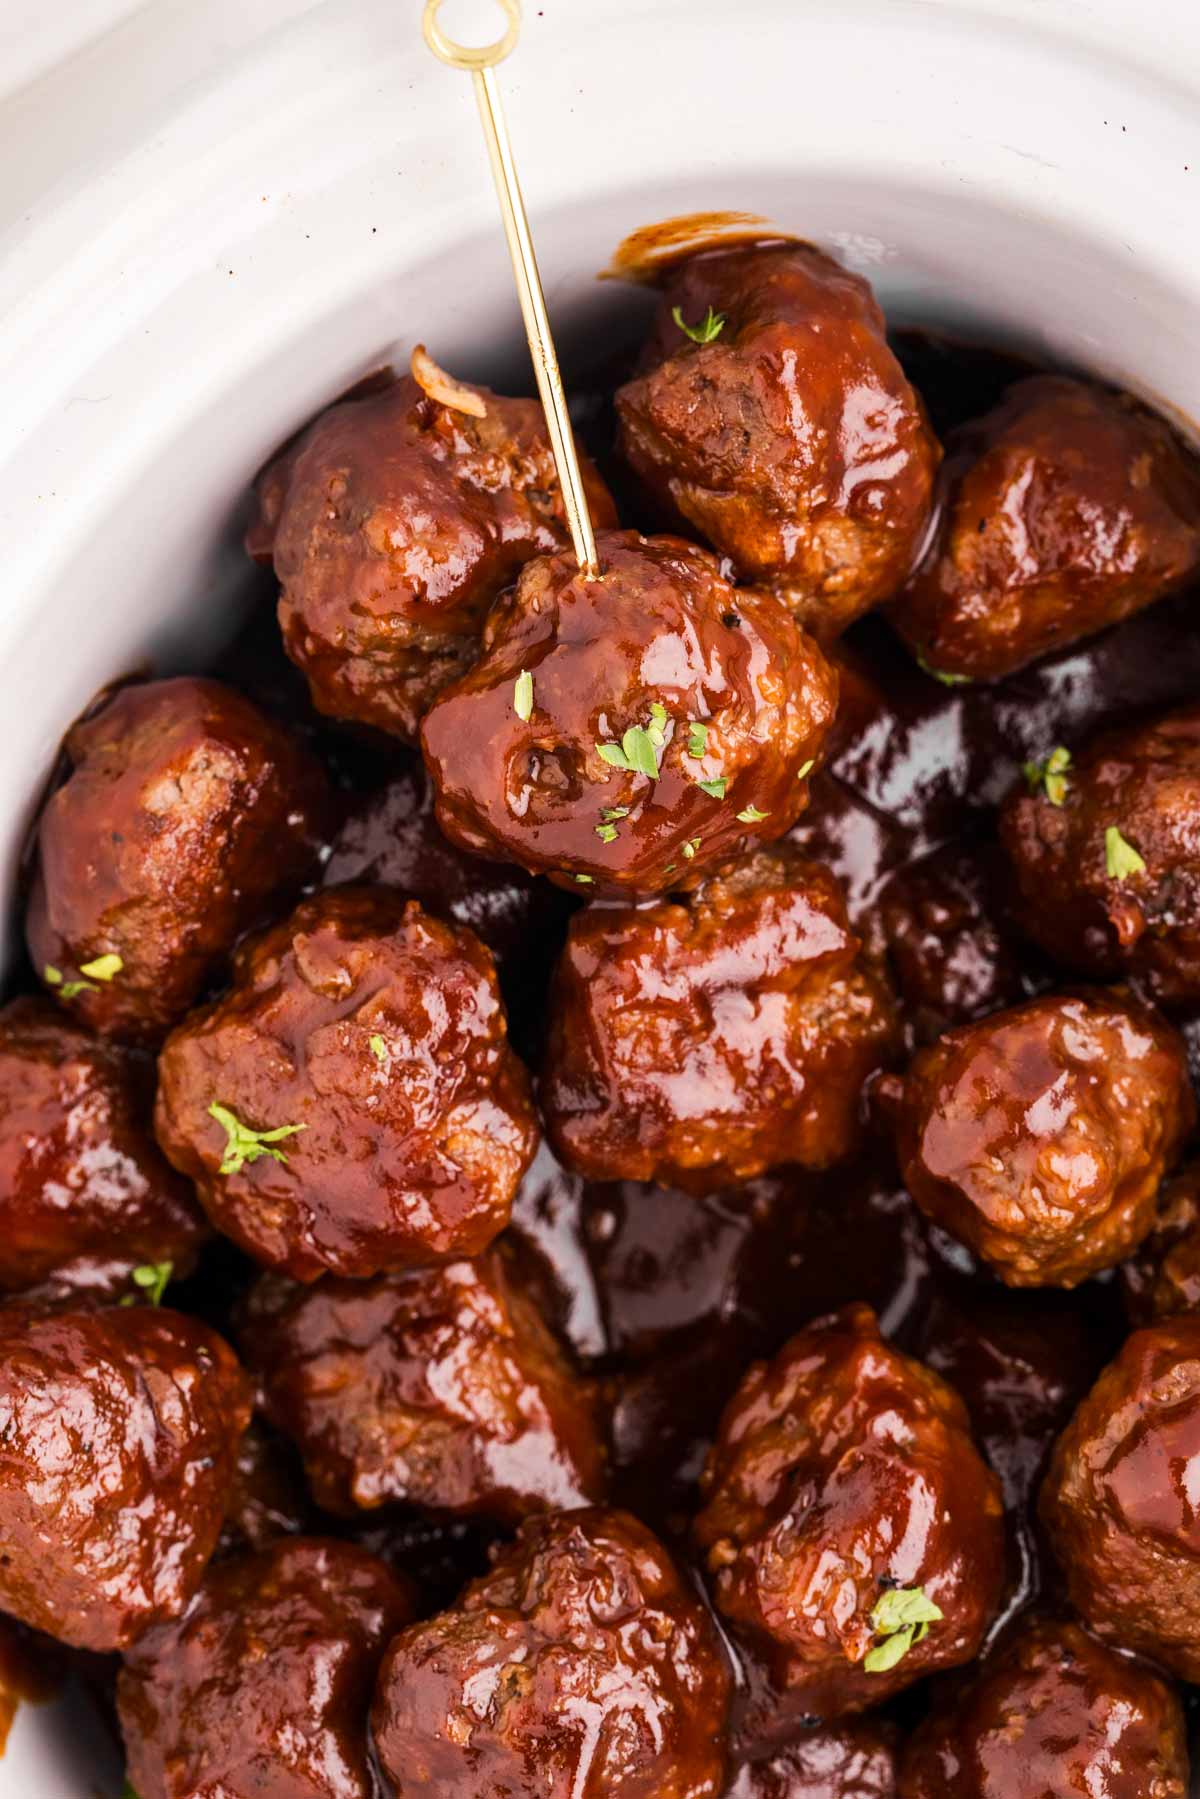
638	751
942	675
606	833
53	977
697	740
751	815
523	696
1050	775
707	331
656	730
1120	858
246	1145
901	1617
714	789
805	769
151	1278
378	1048
103	968
690	847
586	880
611	812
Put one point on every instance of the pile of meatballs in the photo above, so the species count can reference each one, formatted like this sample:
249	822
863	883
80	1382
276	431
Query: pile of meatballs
594	1198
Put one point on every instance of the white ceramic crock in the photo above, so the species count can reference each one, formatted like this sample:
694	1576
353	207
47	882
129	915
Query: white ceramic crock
215	214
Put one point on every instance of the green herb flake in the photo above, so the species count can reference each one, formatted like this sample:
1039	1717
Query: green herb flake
805	769
379	1048
901	1617
1050	776
714	789
707	331
751	816
523	696
943	675
697	739
1120	858
152	1279
104	968
613	754
690	848
606	833
611	812
656	730
586	880
53	977
246	1145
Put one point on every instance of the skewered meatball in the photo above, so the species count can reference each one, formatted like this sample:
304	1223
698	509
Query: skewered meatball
118	1432
947	944
352	1103
1063	510
843	1491
1120	1504
1039	1136
855	1760
85	1195
1107	866
393	839
264	1685
714	1037
185	810
622	731
781	426
1163	1279
442	1386
1056	1715
393	523
582	1666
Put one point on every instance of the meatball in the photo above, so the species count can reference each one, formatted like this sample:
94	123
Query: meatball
264	1685
1056	1715
1163	1279
946	939
352	1103
855	1760
853	1533
1062	510
184	811
118	1433
392	839
1119	1501
714	1036
85	1195
393	524
1039	1136
773	417
581	1667
440	1386
1107	864
620	731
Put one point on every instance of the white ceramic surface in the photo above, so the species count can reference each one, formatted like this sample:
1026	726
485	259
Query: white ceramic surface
215	214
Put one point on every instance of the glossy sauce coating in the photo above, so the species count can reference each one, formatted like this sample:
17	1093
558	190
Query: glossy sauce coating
1039	1136
853	1760
380	1032
1120	1502
582	1666
118	1432
442	1387
393	524
186	809
267	1497
1163	1278
661	626
1138	916
85	1195
709	1038
843	1469
1061	511
1057	1715
263	1686
792	441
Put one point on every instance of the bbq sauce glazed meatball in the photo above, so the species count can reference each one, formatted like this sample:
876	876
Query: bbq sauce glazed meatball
85	1195
185	809
1055	1715
1107	865
711	1037
118	1432
843	1488
630	730
1119	1501
1039	1136
1063	510
946	938
1163	1279
581	1667
788	434
264	1685
441	1386
854	1760
393	524
369	1112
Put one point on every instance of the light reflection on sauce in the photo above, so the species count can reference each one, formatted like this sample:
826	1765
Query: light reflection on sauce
650	253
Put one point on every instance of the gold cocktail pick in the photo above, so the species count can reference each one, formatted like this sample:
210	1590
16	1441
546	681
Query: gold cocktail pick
481	63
